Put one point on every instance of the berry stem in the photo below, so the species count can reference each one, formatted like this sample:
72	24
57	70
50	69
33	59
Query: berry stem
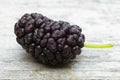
89	45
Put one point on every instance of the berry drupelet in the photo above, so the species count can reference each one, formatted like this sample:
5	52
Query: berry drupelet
48	41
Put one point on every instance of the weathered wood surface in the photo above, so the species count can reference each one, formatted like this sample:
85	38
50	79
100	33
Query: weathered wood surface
100	20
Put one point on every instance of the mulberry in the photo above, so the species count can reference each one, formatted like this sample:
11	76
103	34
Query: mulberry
48	41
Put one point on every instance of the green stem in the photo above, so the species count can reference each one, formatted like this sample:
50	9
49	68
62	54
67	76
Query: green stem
98	45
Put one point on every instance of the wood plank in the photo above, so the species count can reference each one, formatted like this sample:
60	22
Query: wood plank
100	21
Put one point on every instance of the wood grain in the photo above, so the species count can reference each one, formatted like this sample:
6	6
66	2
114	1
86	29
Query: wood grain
100	21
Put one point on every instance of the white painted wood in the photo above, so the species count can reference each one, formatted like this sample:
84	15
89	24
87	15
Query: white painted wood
100	21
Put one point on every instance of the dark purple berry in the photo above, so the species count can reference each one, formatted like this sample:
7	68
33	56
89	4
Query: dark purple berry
48	41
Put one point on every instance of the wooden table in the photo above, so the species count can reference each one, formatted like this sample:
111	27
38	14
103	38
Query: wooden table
100	21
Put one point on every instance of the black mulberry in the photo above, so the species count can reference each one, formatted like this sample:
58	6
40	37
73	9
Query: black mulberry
49	42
